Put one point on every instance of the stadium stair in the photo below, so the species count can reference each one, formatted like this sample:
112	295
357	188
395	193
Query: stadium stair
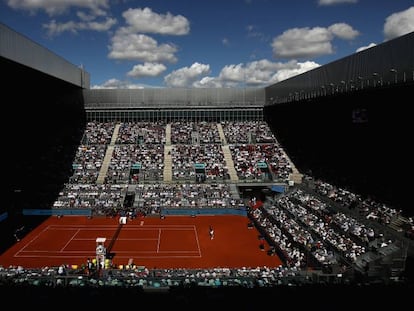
167	155
108	155
221	134
168	134
229	163
167	164
227	154
234	191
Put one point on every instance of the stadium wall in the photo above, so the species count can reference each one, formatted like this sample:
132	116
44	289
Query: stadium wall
202	211
20	49
173	98
385	64
57	212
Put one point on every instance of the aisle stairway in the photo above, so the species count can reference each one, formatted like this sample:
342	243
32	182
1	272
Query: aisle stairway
229	163
168	134
108	155
234	191
167	164
167	155
221	134
227	154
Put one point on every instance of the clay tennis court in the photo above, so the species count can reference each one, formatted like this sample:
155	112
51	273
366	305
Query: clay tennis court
172	242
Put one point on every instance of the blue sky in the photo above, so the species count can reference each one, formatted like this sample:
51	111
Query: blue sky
211	43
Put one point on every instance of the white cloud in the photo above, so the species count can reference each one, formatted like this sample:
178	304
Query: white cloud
85	17
117	84
300	68
56	7
310	42
207	82
54	28
233	73
87	21
185	76
365	47
343	31
130	42
255	74
130	46
399	24
261	72
147	21
303	42
334	2
147	70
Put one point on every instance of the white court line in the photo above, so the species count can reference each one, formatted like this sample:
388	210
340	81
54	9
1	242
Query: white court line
32	240
70	240
158	252
137	257
159	241
198	242
82	228
117	256
54	256
21	252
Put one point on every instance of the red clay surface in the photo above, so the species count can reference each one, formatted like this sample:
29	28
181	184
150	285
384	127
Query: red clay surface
173	242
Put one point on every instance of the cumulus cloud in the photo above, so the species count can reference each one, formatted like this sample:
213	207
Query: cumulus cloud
132	43
147	21
208	82
92	14
255	74
186	76
365	47
233	73
147	70
55	28
117	84
131	46
343	31
287	73
260	72
56	7
399	24
303	42
310	42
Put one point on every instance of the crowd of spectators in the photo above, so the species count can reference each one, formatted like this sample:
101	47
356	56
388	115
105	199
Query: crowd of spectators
307	230
366	207
197	161
139	276
152	198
